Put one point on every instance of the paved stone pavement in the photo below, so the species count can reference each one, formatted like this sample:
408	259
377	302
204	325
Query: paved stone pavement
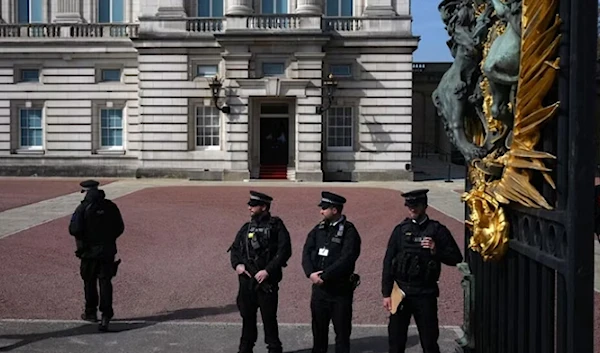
183	336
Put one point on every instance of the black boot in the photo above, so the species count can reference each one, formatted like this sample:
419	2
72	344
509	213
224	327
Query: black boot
89	317
103	327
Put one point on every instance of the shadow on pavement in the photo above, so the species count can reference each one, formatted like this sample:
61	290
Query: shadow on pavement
85	329
373	344
186	314
115	326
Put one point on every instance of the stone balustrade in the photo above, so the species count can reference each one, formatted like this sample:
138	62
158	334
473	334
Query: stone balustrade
62	31
160	26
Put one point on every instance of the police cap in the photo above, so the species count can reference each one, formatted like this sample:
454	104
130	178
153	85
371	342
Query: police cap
259	199
89	185
415	197
329	199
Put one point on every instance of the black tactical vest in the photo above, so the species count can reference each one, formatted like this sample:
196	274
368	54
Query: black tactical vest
415	265
258	244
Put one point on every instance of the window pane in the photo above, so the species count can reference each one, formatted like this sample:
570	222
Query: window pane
104	11
118	11
23	11
204	8
341	70
206	70
332	8
273	69
267	6
38	137
282	6
30	75
119	137
207	126
37	11
217	8
346	7
111	75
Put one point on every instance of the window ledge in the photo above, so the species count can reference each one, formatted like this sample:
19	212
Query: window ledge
207	148
340	149
30	151
111	152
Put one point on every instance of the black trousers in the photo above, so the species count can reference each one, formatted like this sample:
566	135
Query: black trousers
424	309
96	272
249	300
332	306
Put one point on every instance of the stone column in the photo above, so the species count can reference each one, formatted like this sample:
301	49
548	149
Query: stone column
379	8
239	7
309	7
68	11
171	8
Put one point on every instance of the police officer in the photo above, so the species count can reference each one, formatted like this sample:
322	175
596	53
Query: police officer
260	250
96	224
415	251
328	259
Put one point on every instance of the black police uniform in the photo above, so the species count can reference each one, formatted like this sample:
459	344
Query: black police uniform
416	271
261	244
96	224
332	248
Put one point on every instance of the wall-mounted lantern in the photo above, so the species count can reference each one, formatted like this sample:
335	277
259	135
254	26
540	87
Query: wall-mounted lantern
215	87
329	86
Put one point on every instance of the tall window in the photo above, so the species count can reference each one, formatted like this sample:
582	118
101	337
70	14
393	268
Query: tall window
337	8
30	128
339	128
208	127
111	128
274	6
111	11
210	8
30	11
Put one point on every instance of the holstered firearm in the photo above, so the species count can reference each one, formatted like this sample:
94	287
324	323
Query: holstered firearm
253	270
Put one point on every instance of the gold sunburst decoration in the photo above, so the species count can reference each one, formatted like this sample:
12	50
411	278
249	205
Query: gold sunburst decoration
537	73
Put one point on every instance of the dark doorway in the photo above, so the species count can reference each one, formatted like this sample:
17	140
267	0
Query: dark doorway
274	141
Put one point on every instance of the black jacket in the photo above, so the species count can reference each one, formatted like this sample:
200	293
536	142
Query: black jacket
96	224
341	247
274	252
404	241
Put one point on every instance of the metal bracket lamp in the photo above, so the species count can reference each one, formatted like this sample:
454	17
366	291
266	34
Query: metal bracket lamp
215	87
329	86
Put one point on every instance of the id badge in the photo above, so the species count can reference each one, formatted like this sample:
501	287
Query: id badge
323	252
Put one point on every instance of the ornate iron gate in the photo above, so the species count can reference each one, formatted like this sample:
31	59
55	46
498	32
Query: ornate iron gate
528	134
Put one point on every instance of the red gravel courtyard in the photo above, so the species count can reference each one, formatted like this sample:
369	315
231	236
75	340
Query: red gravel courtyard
175	264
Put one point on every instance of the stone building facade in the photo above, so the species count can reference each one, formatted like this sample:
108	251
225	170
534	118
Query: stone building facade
121	87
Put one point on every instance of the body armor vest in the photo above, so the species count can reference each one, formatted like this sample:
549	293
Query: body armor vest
414	264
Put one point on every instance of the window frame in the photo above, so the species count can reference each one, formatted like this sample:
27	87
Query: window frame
101	146
198	65
339	9
219	125
43	10
195	62
96	138
18	74
352	129
96	7
275	9
100	69
267	62
196	9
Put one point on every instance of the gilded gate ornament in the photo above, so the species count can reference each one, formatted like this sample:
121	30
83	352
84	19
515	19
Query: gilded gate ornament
492	101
